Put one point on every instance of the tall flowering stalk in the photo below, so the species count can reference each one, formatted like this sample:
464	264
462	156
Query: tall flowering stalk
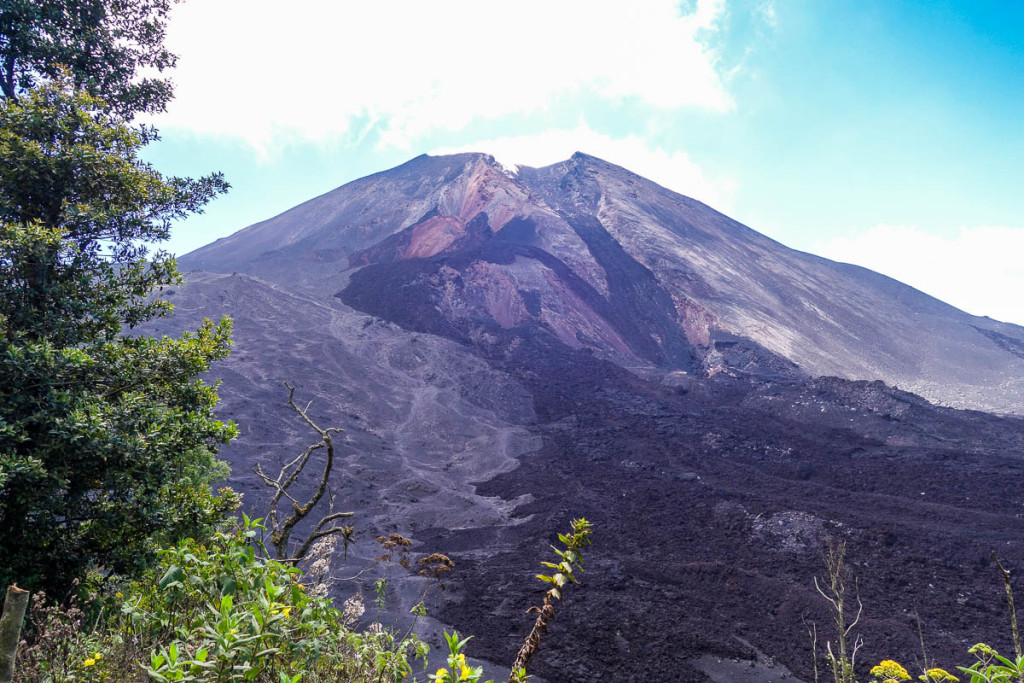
568	565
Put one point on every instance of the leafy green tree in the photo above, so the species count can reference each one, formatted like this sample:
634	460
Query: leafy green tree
102	43
107	439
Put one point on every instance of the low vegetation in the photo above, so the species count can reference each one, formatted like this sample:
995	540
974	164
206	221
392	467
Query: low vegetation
841	652
222	610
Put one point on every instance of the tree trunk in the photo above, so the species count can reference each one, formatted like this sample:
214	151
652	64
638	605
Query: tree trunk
10	630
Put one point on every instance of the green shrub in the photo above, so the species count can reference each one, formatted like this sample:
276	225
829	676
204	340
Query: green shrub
220	611
217	612
991	667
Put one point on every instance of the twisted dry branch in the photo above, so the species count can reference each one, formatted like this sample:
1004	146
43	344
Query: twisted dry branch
282	523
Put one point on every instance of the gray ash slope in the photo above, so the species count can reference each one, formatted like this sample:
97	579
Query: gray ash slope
507	351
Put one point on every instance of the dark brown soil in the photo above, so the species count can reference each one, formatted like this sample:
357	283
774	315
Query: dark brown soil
711	504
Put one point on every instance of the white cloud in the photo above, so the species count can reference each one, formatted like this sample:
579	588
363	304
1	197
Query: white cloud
674	170
978	269
318	69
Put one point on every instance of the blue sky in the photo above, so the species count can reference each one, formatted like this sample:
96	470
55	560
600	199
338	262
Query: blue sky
883	133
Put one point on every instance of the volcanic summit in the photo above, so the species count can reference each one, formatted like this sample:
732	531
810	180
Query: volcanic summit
602	259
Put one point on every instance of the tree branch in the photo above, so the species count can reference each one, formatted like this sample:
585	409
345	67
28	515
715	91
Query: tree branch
282	525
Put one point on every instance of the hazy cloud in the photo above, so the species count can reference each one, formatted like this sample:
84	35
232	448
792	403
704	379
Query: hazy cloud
978	269
324	68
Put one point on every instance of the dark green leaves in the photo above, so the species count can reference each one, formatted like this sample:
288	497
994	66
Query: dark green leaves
77	211
101	43
174	575
107	441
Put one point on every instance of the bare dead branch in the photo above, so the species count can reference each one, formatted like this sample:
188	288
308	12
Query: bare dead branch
545	614
858	642
1009	599
812	631
860	610
280	490
332	517
318	533
282	523
843	659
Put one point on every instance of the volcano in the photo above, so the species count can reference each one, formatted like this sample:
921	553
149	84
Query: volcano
510	349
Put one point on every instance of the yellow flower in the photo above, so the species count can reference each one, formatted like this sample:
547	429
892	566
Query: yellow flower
89	662
938	675
277	608
890	671
464	671
441	675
